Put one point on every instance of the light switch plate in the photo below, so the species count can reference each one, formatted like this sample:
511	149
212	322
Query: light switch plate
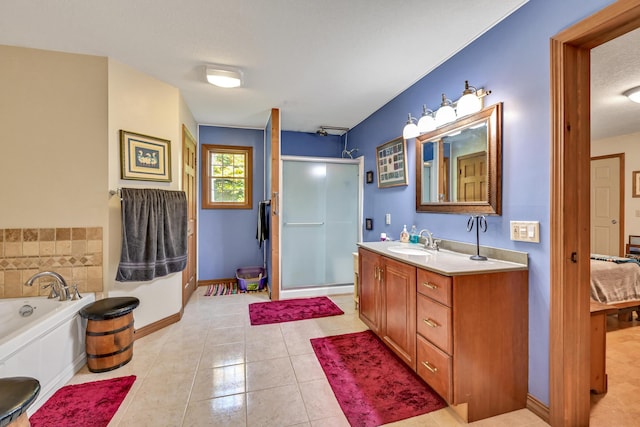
525	231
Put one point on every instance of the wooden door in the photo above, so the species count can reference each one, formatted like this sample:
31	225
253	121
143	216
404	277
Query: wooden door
607	201
398	290
189	180
472	177
273	186
369	289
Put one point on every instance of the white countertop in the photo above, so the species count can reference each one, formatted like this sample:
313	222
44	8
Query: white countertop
443	261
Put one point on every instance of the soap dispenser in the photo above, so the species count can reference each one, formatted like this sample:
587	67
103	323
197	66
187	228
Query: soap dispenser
413	235
404	235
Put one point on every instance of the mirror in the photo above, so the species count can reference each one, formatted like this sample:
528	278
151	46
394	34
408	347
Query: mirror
459	166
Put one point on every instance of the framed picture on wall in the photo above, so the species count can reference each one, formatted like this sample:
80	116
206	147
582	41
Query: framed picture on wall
635	184
144	158
391	163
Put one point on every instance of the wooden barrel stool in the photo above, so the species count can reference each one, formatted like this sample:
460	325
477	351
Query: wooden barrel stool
109	337
16	395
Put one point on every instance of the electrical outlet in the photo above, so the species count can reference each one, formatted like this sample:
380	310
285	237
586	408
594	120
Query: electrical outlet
525	231
387	219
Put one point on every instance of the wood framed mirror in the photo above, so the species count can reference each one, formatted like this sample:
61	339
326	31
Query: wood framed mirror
459	165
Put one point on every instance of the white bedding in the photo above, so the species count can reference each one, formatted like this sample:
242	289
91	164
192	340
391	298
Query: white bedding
613	282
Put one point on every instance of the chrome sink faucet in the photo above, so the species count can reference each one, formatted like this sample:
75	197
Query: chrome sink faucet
59	288
431	243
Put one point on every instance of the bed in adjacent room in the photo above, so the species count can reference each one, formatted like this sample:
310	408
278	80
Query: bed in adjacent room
615	281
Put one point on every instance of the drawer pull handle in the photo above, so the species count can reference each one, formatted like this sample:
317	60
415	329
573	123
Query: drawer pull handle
433	369
430	322
430	285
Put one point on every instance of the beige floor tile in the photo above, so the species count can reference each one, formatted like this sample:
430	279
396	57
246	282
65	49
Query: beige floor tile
269	373
171	389
217	382
223	355
141	416
276	407
266	349
319	399
226	411
307	367
338	421
224	336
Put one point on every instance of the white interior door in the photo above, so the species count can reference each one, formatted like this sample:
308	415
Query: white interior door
605	206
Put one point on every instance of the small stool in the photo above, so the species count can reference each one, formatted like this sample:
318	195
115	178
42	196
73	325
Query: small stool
109	338
16	395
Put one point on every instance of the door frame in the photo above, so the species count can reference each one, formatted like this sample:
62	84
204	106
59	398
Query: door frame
621	219
569	339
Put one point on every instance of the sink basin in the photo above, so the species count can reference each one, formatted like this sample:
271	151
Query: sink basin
408	250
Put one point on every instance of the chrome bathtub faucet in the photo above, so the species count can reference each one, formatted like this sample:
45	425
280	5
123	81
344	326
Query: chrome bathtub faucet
58	288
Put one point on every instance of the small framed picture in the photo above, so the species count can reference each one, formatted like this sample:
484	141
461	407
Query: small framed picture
368	223
144	158
635	184
391	162
369	177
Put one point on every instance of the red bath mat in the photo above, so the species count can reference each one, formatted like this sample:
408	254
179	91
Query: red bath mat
372	385
263	313
81	405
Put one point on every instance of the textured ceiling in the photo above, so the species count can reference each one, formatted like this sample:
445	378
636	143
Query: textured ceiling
615	68
328	62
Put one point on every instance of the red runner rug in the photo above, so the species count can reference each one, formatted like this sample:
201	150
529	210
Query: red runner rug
263	313
372	385
82	405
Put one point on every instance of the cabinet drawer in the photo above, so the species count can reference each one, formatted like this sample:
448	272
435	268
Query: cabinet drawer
434	286
434	366
434	323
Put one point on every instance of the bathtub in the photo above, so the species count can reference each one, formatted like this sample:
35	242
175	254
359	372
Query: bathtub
43	339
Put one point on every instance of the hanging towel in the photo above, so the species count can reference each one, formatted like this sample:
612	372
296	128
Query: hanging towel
154	234
262	233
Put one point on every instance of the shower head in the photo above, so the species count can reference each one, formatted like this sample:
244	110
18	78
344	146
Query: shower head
322	132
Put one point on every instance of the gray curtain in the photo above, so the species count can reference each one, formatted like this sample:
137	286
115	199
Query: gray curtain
154	234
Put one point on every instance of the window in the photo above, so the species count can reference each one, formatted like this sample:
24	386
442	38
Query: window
226	177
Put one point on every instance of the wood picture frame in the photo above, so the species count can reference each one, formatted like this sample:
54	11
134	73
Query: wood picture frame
144	157
635	184
391	163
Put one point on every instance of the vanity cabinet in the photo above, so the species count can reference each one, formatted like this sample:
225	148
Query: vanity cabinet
389	307
470	330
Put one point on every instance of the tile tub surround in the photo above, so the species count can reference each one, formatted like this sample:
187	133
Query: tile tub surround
73	252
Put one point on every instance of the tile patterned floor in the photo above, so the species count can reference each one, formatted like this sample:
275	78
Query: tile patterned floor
214	369
619	406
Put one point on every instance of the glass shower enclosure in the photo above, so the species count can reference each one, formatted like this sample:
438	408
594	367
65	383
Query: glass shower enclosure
320	222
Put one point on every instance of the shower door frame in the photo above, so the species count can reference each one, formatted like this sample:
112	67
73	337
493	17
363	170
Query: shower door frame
332	289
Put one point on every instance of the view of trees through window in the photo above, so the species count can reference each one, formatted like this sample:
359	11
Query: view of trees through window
226	177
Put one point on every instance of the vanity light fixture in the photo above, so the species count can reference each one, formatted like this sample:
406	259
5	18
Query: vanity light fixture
469	102
410	129
446	113
633	94
427	122
222	76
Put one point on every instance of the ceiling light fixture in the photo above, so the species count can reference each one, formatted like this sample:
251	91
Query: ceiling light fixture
633	94
223	76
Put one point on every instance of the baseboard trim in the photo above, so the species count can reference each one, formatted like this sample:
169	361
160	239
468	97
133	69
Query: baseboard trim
216	281
538	408
156	326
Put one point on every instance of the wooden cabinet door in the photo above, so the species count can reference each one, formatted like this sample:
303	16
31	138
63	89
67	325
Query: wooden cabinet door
398	288
369	292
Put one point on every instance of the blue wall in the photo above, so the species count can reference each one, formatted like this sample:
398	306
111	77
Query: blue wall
511	60
227	237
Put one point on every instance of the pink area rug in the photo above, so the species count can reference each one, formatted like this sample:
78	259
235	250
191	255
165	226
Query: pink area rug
82	405
263	313
372	385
